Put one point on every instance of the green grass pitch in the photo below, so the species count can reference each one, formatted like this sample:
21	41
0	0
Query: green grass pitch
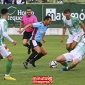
75	76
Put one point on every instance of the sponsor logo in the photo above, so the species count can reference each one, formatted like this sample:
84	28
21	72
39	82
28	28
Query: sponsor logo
42	79
15	14
60	16
51	12
13	9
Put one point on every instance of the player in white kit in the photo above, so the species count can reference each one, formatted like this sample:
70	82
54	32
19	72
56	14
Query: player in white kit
75	27
4	51
75	56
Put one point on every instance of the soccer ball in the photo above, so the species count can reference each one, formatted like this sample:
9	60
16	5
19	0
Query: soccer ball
53	64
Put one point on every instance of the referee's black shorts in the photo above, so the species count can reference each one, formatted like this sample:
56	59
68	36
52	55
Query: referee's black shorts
27	35
34	43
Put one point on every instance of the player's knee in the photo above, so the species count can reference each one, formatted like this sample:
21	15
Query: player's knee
24	43
38	51
72	48
67	48
10	57
45	53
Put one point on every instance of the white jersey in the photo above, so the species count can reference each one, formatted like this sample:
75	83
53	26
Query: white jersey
73	25
3	28
78	52
4	51
80	48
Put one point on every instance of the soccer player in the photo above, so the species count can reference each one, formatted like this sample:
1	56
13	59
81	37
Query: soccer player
26	19
75	56
38	34
4	51
74	26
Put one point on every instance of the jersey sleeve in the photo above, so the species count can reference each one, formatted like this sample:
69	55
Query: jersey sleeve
5	25
36	25
78	21
4	29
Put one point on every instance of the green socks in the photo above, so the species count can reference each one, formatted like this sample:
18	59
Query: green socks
8	66
64	64
1	57
67	66
70	49
70	67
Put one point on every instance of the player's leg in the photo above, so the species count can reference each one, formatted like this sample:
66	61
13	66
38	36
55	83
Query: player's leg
36	51
69	42
43	52
76	60
1	57
26	36
63	60
39	55
7	54
76	40
68	46
74	63
8	68
74	43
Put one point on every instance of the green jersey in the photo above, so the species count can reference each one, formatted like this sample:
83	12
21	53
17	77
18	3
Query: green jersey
80	48
72	24
3	28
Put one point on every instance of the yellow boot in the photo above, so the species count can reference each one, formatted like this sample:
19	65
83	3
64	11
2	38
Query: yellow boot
9	78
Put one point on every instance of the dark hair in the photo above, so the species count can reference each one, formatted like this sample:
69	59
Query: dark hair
66	10
4	11
28	8
47	17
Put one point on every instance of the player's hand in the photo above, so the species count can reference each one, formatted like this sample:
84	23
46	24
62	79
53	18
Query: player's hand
14	42
62	40
43	40
20	31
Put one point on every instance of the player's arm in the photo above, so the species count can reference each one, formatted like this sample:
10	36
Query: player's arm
5	34
21	23
63	33
27	26
35	25
9	38
43	39
83	26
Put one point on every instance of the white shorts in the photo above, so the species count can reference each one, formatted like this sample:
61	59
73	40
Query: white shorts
4	51
71	56
75	37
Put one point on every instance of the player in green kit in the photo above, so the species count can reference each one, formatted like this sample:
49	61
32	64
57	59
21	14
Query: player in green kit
75	56
75	27
4	51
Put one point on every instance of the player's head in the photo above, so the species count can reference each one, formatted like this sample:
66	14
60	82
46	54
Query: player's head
47	20
67	13
28	11
4	12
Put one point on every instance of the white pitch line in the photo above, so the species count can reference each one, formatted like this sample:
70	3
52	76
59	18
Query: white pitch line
31	71
22	64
